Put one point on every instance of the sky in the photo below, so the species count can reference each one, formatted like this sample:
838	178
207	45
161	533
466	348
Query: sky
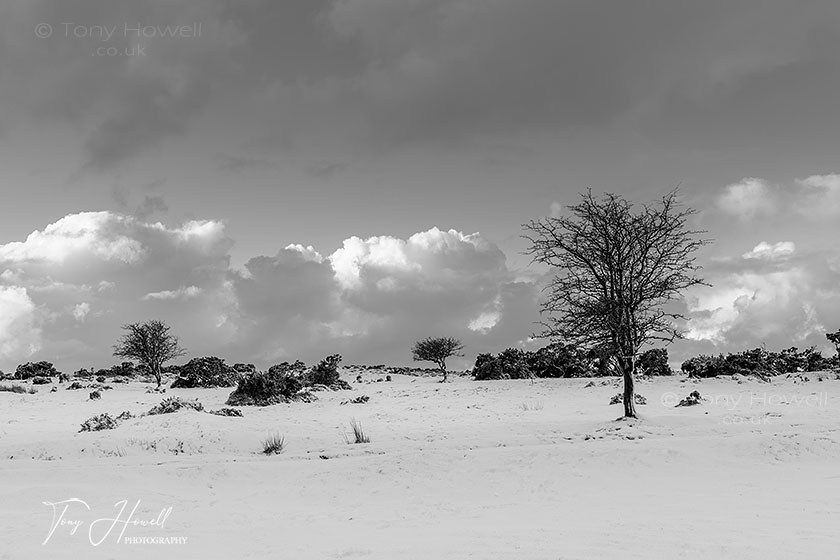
287	180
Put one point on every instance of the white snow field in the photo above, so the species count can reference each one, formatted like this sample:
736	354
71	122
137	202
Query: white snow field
466	469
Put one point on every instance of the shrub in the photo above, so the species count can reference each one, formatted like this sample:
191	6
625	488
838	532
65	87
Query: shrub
205	372
41	380
275	386
705	366
757	361
618	398
361	399
654	362
560	360
36	369
174	404
487	367
554	360
17	389
226	412
691	400
274	444
100	422
325	373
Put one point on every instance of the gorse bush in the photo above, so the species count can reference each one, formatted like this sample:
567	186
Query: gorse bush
205	372
264	388
17	389
103	421
654	362
35	369
325	373
174	404
554	360
757	362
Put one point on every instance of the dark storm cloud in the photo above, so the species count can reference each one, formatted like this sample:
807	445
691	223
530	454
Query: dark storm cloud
92	67
235	164
151	205
389	74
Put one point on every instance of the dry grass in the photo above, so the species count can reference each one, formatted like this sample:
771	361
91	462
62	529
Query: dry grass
274	444
359	435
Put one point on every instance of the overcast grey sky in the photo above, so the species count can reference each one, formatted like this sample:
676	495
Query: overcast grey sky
288	179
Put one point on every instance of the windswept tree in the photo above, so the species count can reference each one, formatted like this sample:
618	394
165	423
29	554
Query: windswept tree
437	350
618	269
834	338
149	343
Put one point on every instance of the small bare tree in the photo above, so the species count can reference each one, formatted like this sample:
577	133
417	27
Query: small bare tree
834	338
149	343
617	270
437	350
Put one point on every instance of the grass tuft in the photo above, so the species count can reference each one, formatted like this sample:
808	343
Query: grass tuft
359	435
274	444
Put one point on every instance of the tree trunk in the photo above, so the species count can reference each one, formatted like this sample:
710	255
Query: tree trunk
628	367
442	366
156	371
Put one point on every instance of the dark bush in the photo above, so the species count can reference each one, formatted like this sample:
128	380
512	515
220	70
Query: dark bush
691	400
207	372
758	362
487	367
36	369
244	368
174	404
325	373
41	380
124	369
224	411
560	360
100	422
17	389
554	360
265	388
654	362
705	366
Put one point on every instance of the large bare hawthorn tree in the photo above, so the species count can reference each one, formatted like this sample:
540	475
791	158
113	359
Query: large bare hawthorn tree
617	269
149	343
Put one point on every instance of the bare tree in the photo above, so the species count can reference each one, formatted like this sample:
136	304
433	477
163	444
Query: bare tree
834	338
617	270
149	343
437	350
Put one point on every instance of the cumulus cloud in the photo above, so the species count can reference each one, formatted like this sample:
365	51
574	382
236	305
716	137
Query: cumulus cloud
108	262
750	304
76	281
81	310
815	197
748	198
768	252
20	336
819	196
72	235
184	292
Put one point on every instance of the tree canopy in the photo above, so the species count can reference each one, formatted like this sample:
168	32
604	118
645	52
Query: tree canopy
617	268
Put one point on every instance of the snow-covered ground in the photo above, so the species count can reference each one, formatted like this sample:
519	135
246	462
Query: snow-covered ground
495	470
